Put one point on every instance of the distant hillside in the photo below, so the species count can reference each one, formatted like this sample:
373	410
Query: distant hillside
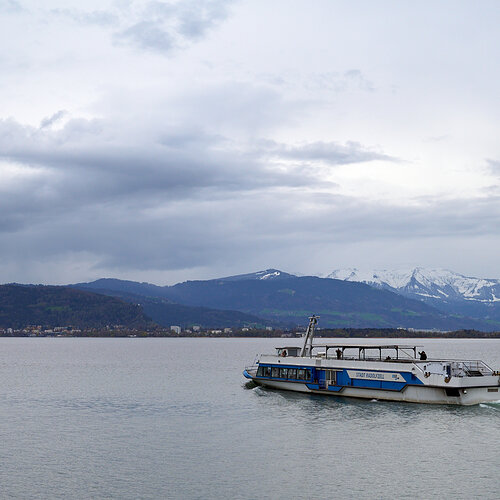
23	305
340	304
287	300
106	285
167	313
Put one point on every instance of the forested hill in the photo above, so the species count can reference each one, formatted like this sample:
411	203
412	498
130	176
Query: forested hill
22	305
285	300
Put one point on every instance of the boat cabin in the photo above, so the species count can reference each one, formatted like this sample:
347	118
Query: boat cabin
292	351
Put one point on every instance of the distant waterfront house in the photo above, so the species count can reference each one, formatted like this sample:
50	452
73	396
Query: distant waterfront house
176	329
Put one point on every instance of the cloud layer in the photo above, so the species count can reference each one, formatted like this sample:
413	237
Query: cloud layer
178	140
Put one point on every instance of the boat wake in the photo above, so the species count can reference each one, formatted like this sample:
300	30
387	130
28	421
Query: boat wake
259	391
492	405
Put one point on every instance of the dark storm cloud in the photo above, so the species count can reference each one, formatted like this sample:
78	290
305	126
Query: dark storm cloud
89	159
183	199
79	167
176	196
209	230
169	197
82	150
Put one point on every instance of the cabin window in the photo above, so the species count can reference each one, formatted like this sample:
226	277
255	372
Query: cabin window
264	371
303	374
283	372
275	372
292	373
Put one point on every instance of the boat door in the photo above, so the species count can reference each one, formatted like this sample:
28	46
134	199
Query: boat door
331	377
320	379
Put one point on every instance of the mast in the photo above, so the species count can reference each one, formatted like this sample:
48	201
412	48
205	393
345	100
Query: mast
313	320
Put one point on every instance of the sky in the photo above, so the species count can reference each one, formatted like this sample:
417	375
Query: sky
167	141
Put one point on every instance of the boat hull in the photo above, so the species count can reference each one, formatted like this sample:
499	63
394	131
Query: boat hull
410	394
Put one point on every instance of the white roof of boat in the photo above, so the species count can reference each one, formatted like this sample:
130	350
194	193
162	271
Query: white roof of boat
369	346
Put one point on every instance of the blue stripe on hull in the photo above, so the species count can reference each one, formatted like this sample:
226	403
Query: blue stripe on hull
343	380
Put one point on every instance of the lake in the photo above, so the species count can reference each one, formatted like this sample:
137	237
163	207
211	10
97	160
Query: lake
174	418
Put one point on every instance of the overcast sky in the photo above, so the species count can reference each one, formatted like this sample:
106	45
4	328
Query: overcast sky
165	141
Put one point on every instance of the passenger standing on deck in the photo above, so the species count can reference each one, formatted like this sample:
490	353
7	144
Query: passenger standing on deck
423	356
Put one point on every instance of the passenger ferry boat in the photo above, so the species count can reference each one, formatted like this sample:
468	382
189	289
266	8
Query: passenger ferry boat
387	372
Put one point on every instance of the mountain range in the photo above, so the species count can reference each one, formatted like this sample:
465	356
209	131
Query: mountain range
445	290
283	299
418	298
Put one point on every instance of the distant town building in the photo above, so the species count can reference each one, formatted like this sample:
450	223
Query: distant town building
245	329
269	328
196	328
228	330
176	329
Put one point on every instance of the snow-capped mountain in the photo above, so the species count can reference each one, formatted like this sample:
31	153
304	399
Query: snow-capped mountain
429	285
268	274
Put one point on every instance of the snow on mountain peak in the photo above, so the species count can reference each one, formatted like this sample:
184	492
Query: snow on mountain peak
433	283
269	274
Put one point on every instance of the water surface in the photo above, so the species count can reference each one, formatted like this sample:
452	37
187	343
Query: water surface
174	418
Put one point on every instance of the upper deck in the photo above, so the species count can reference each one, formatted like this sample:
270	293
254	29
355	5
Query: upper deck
382	356
387	353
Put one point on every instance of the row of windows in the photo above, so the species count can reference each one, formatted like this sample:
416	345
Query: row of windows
288	373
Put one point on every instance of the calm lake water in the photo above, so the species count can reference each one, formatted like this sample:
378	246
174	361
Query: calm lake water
174	419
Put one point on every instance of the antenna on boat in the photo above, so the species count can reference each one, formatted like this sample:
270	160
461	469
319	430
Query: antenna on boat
313	320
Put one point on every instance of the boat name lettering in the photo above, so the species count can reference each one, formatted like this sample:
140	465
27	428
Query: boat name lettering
388	377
